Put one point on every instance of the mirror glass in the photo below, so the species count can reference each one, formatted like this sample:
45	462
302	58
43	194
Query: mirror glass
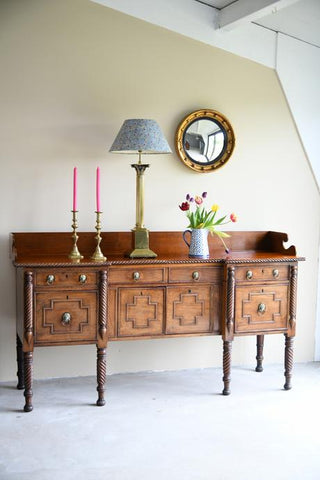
204	140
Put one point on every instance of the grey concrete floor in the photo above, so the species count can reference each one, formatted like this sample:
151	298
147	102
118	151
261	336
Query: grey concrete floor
165	426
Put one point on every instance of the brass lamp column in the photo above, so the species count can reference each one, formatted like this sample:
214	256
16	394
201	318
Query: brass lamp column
143	137
141	234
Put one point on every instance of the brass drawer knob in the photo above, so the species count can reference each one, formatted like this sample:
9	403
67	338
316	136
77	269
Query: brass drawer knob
261	308
50	279
275	273
66	318
195	275
82	278
136	276
249	275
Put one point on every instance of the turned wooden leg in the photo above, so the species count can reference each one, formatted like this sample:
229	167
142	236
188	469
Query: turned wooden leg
28	377
259	357
20	371
227	347
288	361
101	375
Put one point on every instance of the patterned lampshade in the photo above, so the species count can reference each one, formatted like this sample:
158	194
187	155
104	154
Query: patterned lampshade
140	135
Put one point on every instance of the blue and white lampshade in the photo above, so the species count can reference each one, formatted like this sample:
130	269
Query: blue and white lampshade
140	135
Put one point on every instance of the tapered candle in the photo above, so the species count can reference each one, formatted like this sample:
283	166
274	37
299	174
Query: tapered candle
75	189
98	189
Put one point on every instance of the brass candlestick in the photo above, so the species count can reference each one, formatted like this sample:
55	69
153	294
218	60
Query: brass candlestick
75	255
98	255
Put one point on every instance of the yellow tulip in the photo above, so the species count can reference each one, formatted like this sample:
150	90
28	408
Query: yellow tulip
215	207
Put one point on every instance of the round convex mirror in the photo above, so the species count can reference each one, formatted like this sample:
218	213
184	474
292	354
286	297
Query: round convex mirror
205	140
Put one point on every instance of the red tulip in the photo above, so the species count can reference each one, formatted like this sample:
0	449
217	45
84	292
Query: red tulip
233	217
184	206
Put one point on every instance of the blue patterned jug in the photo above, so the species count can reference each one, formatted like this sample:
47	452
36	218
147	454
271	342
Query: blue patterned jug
198	246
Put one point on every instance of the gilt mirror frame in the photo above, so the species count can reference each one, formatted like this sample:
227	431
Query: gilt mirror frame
224	148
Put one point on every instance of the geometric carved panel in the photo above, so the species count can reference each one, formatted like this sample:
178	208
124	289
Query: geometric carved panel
188	309
268	315
52	315
63	317
140	311
261	308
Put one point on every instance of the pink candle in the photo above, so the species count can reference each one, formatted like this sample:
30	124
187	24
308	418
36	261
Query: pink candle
98	189
75	189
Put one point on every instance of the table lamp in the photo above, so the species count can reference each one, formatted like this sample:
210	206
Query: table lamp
140	136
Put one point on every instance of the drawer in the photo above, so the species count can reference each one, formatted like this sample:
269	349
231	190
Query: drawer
137	275
262	273
140	312
65	278
62	317
188	309
194	273
261	308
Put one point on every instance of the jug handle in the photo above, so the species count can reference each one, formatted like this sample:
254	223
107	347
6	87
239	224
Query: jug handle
184	237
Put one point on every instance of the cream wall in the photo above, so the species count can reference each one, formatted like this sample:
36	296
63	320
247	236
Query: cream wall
72	71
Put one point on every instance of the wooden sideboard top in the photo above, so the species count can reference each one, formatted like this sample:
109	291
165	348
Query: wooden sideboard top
53	248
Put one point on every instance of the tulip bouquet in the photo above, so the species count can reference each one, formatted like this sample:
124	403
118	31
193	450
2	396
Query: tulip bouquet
200	217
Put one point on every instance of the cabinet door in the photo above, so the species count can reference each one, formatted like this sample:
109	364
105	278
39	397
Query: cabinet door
63	318
261	308
140	312
189	309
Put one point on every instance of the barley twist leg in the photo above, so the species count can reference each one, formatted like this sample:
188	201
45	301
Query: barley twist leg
227	346
288	361
101	375
28	378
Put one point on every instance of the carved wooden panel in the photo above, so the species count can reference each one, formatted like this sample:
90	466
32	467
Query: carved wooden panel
140	311
65	317
112	312
188	309
261	308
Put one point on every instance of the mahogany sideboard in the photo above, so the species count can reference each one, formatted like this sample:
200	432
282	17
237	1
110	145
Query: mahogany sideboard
249	291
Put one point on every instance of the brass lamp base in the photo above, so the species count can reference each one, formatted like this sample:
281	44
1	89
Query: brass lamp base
141	243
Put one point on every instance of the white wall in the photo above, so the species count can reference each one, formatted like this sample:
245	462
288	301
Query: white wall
197	20
71	73
297	64
298	67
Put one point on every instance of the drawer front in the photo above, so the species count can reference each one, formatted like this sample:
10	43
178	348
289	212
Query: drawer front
65	278
194	273
188	309
140	312
65	317
260	308
137	275
272	272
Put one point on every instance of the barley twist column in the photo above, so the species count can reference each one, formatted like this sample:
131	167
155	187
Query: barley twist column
102	339
28	340
227	347
293	298
288	361
230	299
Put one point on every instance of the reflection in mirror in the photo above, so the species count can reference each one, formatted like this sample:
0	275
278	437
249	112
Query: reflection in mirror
204	140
